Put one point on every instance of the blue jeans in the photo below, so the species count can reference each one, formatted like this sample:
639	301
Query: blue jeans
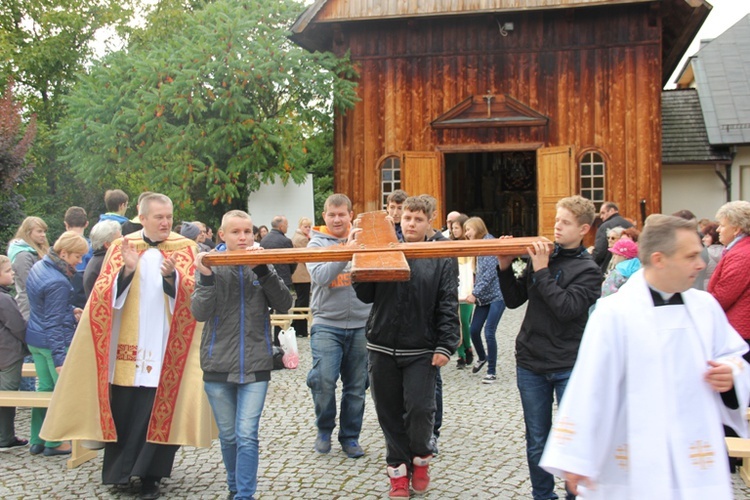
491	314
536	398
338	352
237	409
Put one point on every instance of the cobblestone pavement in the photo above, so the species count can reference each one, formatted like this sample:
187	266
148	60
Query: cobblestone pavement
481	448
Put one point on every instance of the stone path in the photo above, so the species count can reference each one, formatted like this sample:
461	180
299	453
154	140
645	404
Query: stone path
482	452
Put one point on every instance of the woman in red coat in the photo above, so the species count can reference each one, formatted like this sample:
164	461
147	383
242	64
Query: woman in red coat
730	282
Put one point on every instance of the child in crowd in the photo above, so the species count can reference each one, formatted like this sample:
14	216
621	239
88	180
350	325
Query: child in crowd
394	206
236	348
625	260
12	352
406	350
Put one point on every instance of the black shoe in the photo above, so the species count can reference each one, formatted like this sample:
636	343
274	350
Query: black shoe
117	489
461	364
14	443
478	365
150	489
53	452
36	449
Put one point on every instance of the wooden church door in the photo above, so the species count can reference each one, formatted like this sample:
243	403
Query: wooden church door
556	178
422	173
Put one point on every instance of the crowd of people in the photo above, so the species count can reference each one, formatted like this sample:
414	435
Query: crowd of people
611	333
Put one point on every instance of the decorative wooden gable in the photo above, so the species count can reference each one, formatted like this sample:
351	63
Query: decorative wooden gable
490	110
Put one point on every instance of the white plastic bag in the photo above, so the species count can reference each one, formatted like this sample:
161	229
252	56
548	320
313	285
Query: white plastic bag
288	341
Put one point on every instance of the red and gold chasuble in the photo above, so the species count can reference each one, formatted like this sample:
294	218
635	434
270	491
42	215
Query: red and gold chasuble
80	406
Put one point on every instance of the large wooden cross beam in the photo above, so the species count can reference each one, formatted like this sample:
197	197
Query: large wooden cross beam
378	256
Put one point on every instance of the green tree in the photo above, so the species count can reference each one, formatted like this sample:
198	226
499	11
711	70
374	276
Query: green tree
44	44
14	144
211	112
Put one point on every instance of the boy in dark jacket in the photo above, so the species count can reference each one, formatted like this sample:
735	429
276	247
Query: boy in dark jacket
12	352
560	287
412	331
236	348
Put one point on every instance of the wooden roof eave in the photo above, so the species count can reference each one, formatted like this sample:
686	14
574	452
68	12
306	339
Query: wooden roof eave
314	33
308	36
688	16
684	19
416	10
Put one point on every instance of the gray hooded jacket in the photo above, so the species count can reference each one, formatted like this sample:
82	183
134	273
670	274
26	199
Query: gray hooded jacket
334	302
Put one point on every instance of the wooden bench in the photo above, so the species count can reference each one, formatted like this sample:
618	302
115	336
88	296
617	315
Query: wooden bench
28	399
28	370
284	321
740	448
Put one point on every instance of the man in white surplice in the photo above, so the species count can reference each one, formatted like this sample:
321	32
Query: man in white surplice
658	373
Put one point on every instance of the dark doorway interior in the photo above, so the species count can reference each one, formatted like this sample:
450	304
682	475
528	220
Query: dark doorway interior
499	187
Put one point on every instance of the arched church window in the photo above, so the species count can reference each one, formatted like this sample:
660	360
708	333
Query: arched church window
390	177
592	168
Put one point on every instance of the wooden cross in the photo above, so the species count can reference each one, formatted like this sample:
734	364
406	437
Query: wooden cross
488	97
378	256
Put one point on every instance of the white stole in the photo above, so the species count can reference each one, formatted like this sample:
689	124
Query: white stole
153	322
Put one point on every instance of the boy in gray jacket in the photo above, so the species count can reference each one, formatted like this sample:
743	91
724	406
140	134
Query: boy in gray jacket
337	336
236	348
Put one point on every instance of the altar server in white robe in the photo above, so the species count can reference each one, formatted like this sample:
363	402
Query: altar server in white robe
658	372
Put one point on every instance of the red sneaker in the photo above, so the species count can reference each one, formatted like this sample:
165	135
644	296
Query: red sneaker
399	481
420	477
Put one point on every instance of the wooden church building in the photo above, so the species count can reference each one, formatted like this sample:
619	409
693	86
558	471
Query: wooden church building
498	108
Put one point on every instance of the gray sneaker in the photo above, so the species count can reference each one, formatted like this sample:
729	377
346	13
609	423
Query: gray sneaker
352	449
323	442
434	445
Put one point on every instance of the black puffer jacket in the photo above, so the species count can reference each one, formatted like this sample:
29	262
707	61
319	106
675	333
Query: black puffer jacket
559	300
418	316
